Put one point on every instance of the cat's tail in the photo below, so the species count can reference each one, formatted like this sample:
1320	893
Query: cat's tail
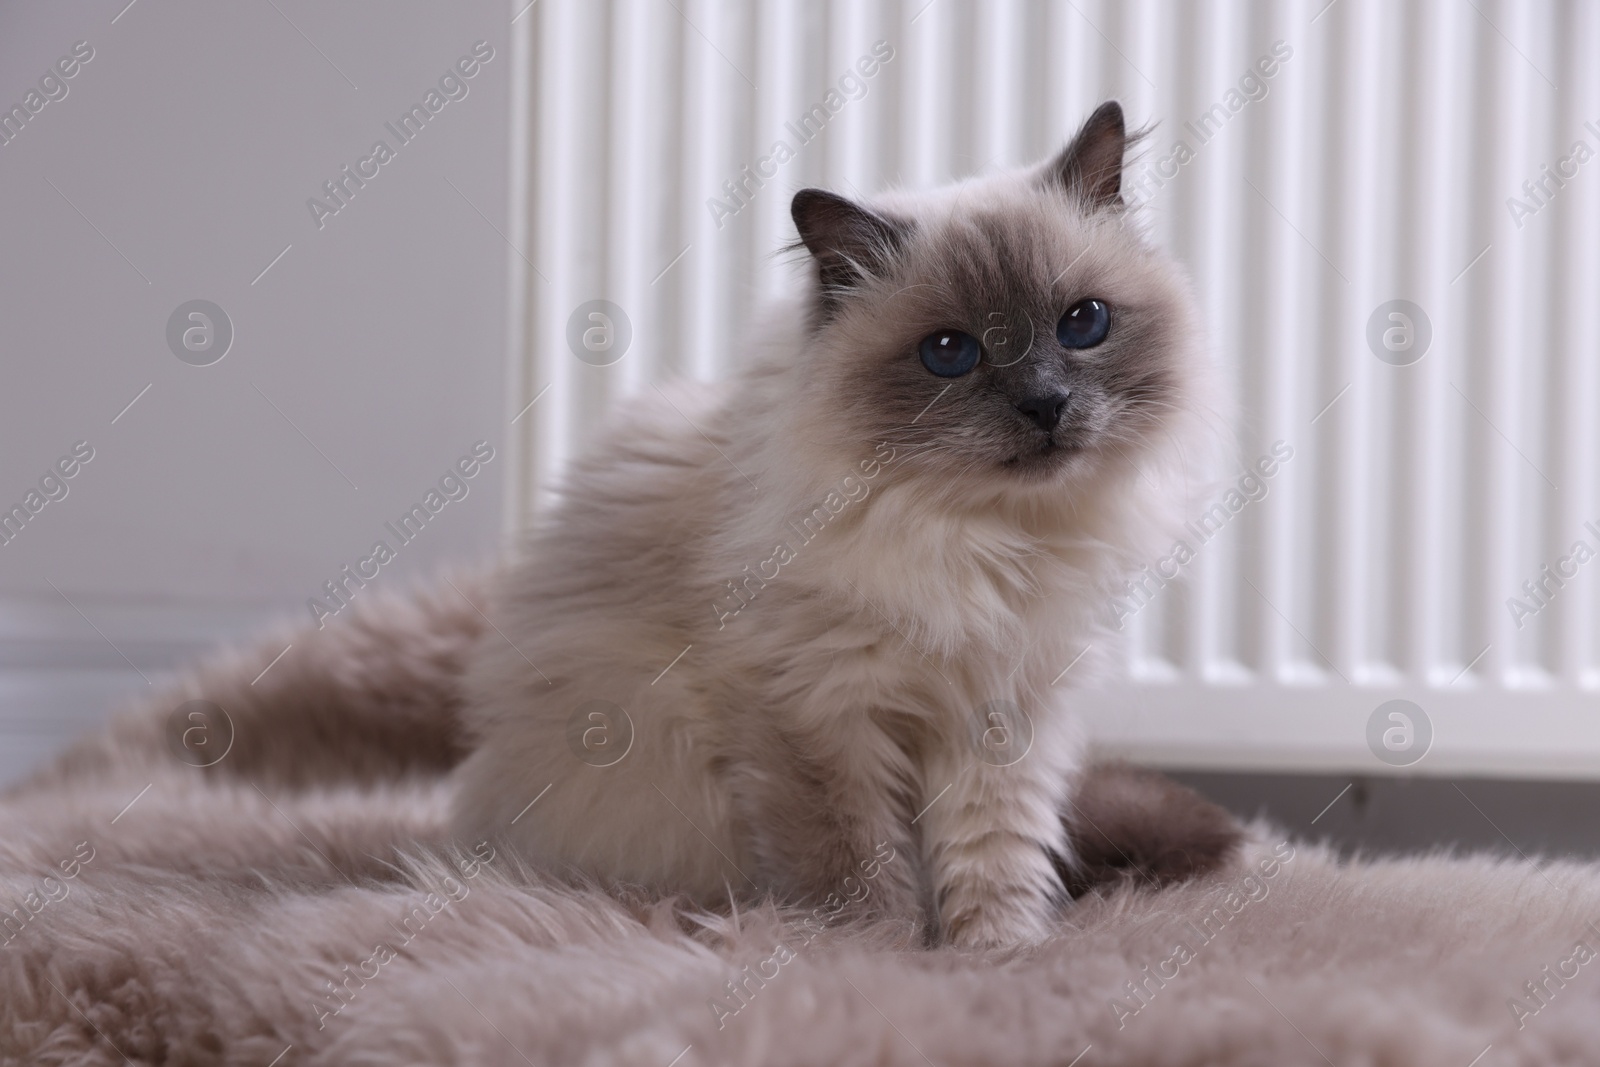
1127	823
370	696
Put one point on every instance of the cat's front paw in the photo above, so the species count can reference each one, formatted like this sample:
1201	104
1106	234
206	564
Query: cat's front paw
976	928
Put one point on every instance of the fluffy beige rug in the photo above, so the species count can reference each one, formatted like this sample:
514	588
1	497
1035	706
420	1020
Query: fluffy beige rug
292	904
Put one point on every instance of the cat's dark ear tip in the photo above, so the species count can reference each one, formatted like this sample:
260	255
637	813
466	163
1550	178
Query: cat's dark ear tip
1090	167
834	225
816	210
810	199
1107	114
1109	121
805	197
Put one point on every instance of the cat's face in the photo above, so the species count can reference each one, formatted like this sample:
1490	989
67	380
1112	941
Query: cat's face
1014	327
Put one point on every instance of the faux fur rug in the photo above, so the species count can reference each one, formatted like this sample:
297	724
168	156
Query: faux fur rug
292	903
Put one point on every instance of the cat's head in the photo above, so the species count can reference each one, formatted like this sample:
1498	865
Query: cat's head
1014	330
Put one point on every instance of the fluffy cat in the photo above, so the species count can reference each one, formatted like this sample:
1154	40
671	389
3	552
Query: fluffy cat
798	633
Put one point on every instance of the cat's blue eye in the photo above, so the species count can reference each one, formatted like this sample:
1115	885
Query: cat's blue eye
1085	324
950	353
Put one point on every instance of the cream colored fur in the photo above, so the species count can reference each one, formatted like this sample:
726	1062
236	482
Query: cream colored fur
844	710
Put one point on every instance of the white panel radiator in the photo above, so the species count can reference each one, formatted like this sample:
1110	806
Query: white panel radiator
1334	159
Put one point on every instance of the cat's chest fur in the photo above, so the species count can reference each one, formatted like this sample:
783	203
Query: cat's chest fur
931	614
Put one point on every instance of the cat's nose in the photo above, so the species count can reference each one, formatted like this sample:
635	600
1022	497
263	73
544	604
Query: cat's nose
1045	409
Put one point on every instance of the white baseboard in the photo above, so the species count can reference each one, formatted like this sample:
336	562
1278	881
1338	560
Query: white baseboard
62	673
1477	732
41	711
113	634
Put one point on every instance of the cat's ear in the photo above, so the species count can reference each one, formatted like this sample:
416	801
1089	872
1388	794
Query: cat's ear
846	239
1090	168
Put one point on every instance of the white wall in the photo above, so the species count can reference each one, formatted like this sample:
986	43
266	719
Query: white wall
178	167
